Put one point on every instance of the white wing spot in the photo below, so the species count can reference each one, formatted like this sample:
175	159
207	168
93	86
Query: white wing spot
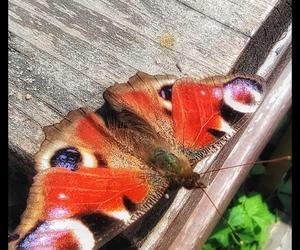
82	233
121	215
88	159
167	105
242	107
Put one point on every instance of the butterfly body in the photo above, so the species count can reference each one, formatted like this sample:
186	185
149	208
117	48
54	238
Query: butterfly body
99	172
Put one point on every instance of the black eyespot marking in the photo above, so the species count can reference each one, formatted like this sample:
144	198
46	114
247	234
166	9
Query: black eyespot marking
216	133
101	161
119	242
129	204
99	223
166	92
66	158
229	114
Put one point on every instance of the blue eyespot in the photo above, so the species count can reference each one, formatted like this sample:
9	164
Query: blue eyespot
66	158
166	92
249	84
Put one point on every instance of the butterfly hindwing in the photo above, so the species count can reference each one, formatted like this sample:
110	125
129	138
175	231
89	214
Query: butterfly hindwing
88	187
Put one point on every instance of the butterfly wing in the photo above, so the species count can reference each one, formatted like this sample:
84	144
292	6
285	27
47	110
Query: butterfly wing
200	115
87	190
138	100
90	185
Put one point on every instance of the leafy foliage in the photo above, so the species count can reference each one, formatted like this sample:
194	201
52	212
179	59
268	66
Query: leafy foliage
249	218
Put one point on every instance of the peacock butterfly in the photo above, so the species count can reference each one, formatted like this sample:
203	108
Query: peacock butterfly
98	172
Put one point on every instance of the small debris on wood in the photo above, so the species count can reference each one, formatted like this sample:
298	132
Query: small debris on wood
178	67
28	96
167	40
157	61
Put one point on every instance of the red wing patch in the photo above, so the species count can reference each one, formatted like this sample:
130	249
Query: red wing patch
91	131
203	111
91	190
62	200
195	109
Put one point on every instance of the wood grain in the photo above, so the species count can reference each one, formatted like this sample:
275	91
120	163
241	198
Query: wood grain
63	54
91	44
242	16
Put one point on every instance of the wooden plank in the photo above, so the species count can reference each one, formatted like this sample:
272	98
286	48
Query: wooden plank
65	41
242	16
49	82
109	42
269	33
64	53
98	32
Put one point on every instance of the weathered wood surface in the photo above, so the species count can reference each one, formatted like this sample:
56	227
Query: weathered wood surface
238	15
281	237
63	54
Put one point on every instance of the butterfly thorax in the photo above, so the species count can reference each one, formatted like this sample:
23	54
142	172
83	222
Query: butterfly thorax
171	165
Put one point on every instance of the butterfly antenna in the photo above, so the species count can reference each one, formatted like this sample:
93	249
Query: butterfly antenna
283	158
235	236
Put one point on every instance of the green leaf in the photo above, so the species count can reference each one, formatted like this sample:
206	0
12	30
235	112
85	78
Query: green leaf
222	236
249	247
250	219
261	216
208	246
238	217
258	210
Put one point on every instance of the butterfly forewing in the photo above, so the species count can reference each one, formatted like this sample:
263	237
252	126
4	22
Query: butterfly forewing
188	112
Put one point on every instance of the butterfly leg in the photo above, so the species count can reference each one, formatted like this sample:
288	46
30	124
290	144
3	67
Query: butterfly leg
191	181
